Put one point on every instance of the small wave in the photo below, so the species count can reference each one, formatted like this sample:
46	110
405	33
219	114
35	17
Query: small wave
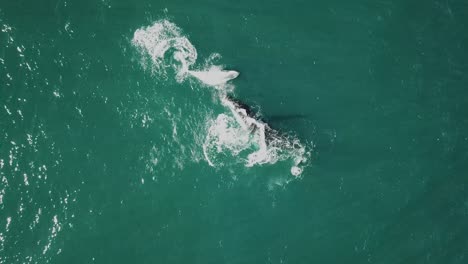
233	136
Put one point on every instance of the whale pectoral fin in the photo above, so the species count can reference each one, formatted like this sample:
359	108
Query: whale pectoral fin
214	76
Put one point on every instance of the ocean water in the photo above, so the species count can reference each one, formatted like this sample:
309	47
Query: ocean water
233	132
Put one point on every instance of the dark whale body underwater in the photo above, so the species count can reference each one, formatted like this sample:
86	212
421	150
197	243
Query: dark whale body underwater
267	120
270	132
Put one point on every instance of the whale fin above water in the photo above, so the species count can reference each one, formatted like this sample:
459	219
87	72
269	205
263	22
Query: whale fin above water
214	76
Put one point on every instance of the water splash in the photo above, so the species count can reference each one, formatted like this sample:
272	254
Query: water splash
233	136
165	38
214	76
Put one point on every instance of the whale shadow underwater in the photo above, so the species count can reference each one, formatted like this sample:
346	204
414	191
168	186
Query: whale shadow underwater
253	113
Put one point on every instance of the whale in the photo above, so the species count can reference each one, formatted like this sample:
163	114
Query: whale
239	104
248	118
248	113
265	119
214	76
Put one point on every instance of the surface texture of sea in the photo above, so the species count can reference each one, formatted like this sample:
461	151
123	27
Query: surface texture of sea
119	143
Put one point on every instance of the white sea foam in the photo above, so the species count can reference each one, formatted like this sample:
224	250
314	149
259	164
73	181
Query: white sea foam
160	38
233	136
164	38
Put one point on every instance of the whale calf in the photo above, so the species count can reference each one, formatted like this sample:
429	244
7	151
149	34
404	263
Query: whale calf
214	76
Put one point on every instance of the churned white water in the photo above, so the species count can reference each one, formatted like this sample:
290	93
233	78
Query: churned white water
232	134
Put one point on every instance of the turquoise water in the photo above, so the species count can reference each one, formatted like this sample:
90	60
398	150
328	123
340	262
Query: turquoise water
113	151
